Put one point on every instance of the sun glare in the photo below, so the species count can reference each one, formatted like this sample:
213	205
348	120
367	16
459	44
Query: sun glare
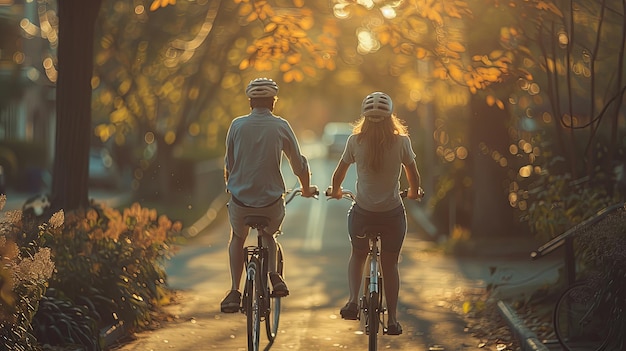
367	43
388	12
339	10
366	3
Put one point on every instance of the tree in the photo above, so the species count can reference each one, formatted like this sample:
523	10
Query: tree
75	61
575	108
531	78
73	104
159	85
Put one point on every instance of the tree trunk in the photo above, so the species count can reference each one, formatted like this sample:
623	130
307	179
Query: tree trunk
73	101
492	216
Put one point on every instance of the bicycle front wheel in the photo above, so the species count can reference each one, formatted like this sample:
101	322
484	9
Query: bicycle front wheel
273	314
579	320
373	321
253	294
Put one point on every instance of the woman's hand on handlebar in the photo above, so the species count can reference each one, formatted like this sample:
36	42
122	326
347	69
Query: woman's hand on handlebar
415	194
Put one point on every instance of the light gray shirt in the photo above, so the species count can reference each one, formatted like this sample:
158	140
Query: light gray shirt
255	144
379	191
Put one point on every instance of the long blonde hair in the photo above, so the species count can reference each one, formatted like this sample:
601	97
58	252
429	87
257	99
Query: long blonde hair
378	137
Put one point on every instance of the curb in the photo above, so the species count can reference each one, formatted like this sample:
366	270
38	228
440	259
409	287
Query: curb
528	339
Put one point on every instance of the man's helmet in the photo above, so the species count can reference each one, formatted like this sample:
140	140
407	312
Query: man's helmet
262	88
377	104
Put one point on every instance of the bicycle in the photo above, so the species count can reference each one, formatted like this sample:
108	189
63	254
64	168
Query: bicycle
586	313
371	303
258	303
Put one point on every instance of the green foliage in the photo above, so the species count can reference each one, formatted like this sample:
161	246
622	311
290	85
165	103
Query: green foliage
108	269
557	205
60	322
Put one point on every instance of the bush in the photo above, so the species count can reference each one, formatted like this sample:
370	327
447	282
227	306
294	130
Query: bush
112	262
108	269
24	271
602	252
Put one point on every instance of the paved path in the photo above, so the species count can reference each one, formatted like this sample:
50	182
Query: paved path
435	291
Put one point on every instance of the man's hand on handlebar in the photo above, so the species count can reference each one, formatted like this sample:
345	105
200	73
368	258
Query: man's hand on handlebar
312	191
334	193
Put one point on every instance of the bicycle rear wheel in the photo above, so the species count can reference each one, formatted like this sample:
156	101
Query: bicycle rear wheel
273	314
253	294
579	322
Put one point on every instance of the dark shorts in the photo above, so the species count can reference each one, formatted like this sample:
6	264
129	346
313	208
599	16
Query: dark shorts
394	222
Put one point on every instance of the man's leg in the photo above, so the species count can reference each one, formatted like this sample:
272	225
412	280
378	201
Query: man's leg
235	251
231	303
272	251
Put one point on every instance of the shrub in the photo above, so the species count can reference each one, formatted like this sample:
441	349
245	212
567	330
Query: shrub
24	271
111	262
108	269
601	250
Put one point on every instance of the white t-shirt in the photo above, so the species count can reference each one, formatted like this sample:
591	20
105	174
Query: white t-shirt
379	191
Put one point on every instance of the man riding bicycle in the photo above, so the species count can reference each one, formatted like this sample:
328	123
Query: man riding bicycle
255	144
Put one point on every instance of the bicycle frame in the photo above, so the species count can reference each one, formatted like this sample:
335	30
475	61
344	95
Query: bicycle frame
256	291
258	303
372	300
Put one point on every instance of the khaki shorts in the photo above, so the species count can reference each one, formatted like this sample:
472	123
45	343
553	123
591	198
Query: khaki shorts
237	213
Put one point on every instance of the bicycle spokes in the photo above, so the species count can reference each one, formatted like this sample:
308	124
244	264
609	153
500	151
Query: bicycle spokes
581	323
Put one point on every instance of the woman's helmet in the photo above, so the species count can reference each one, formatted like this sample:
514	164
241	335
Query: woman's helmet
377	104
262	88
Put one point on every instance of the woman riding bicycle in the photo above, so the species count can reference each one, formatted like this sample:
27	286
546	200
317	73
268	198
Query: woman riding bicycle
380	147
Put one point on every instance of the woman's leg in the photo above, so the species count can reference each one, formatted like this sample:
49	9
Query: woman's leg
355	273
358	255
391	247
391	283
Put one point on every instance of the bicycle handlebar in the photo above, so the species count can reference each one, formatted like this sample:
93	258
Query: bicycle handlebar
298	191
348	194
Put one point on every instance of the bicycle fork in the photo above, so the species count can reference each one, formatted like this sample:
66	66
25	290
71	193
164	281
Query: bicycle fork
374	283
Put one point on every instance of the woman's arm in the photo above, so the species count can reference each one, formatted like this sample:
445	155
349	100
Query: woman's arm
338	176
415	181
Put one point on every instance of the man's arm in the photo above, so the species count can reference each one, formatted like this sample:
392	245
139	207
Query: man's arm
305	184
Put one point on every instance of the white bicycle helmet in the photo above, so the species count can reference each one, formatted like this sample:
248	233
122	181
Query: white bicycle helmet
377	104
262	88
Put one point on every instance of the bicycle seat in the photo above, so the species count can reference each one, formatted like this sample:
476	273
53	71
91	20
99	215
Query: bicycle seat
257	222
372	230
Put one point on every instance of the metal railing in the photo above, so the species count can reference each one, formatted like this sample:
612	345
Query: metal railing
566	240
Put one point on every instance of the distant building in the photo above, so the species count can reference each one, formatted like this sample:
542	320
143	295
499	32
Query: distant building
27	83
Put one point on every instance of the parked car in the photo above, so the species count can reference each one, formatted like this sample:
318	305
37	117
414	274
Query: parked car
335	136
